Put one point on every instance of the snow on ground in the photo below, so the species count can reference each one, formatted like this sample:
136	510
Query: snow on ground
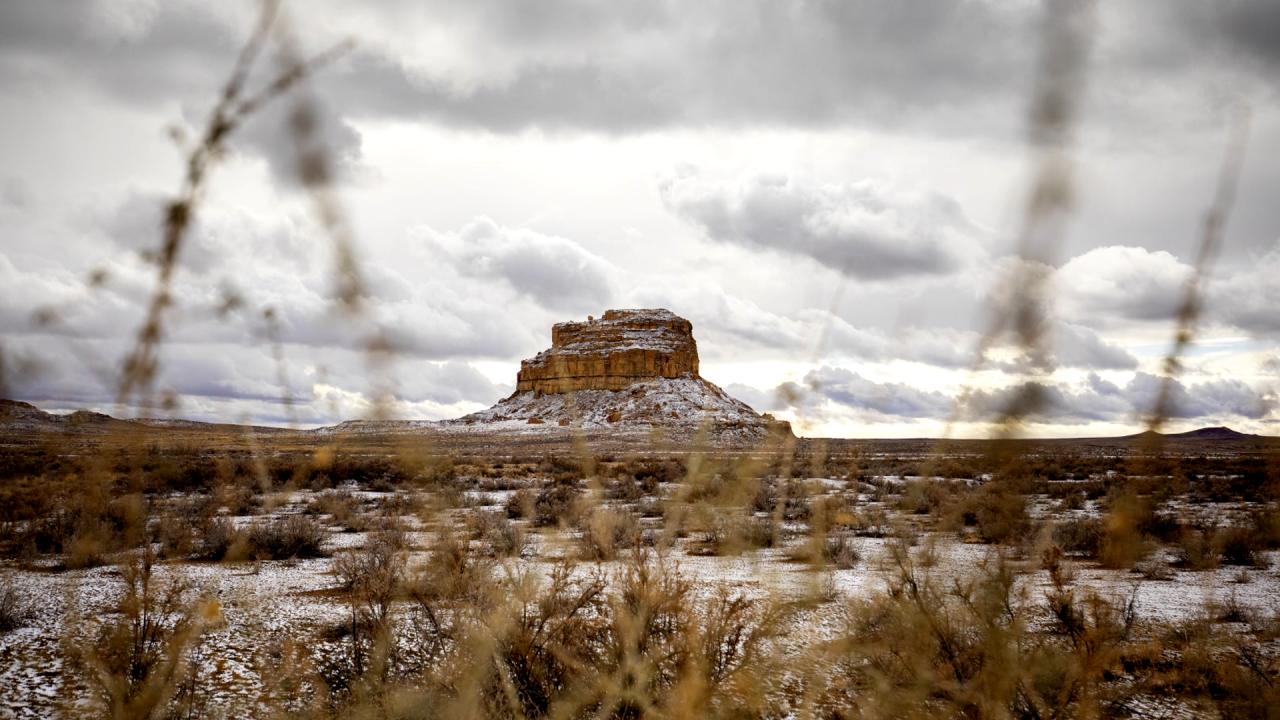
260	604
263	603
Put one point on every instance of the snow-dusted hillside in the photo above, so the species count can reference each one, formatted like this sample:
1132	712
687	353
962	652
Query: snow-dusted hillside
682	405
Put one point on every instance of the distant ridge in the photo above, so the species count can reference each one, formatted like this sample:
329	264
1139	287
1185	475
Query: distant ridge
1220	432
21	421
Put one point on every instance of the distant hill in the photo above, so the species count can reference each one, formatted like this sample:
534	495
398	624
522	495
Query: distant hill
23	422
1209	433
17	417
1213	433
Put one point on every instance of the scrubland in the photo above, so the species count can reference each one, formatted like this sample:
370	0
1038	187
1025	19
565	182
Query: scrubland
259	578
156	581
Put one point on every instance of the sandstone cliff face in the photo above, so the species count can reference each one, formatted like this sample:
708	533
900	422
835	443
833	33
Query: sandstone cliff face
613	352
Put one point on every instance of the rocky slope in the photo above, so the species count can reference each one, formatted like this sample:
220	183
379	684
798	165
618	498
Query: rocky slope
18	417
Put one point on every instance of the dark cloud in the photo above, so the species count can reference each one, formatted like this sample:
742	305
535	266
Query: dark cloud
1116	286
274	262
1079	347
957	67
848	391
1250	29
1250	298
268	135
1100	400
557	273
631	66
912	74
1096	401
834	392
727	323
605	65
228	382
1214	398
281	262
449	383
863	230
890	399
152	56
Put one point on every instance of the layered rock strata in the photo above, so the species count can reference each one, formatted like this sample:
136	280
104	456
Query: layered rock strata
619	349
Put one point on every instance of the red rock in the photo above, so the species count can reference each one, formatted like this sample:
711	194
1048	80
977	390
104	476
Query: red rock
621	348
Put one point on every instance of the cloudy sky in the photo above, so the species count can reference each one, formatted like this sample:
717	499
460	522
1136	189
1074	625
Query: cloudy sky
829	190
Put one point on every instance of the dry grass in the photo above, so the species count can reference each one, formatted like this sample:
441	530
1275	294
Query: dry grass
467	624
139	662
471	631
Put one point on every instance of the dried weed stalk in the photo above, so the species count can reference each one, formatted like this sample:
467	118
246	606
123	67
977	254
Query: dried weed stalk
235	105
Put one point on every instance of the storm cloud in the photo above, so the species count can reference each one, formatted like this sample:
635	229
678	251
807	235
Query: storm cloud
863	230
552	271
828	190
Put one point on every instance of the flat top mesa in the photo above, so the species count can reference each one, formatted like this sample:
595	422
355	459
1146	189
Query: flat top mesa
628	371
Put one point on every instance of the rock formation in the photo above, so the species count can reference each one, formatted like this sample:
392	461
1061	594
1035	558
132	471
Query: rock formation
628	371
621	348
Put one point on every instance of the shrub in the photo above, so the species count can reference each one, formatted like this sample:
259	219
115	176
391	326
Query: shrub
1000	515
438	471
840	551
575	647
519	505
565	469
554	505
174	535
962	649
139	660
503	537
1122	542
789	498
88	546
292	536
605	532
238	499
372	577
451	572
341	506
1267	525
558	631
651	507
625	488
731	533
15	608
923	497
219	539
648	473
1241	546
1079	536
1196	550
